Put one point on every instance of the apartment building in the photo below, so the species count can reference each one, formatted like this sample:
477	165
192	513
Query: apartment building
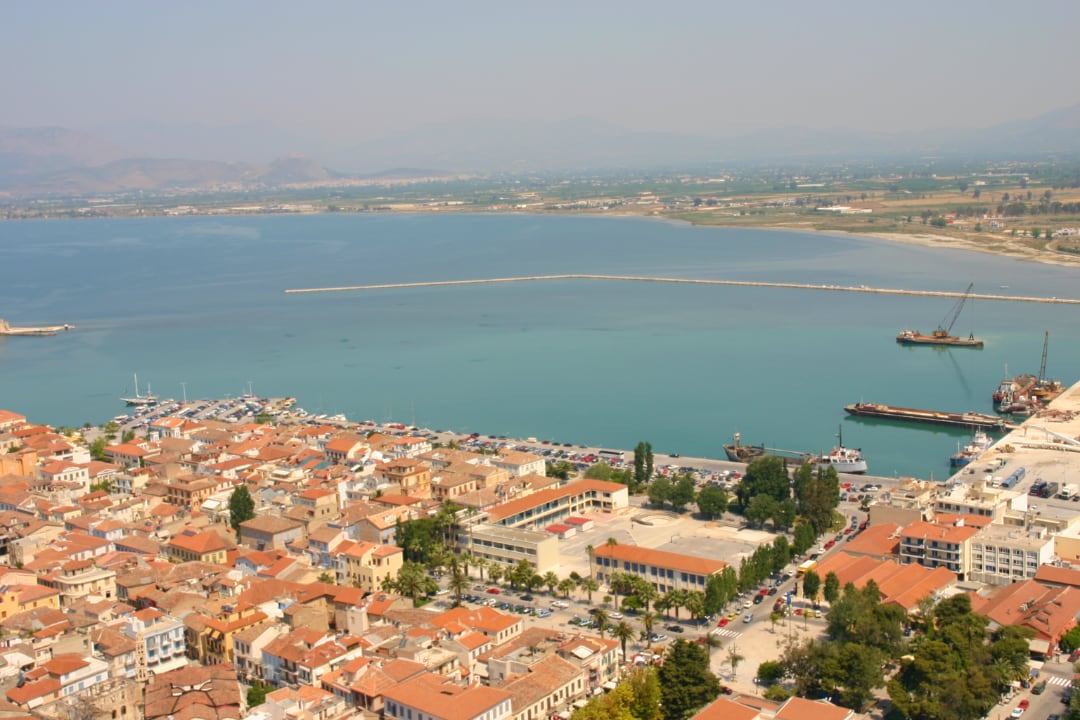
931	545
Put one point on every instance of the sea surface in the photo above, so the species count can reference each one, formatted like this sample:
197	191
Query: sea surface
196	306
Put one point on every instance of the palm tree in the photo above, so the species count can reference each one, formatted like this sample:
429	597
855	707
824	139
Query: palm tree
590	550
622	632
459	583
495	573
481	564
734	658
565	586
695	603
600	615
590	586
387	584
647	593
648	619
552	581
535	582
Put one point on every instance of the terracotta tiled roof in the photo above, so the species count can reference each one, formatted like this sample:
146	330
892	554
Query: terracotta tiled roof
660	558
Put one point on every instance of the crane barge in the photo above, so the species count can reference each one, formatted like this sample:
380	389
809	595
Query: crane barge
942	336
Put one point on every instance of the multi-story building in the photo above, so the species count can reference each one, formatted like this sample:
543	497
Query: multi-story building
1001	555
553	505
65	675
366	565
162	636
191	545
947	546
79	579
434	697
267	532
509	545
663	570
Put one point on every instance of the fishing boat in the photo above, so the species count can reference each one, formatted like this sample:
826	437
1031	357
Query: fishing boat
135	400
842	459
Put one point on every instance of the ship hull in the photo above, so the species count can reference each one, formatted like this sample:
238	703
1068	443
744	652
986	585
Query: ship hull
929	417
914	338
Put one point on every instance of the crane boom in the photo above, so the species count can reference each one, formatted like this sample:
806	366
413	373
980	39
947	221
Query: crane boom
946	324
1042	365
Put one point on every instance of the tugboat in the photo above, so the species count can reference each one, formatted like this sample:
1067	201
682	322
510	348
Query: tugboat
841	459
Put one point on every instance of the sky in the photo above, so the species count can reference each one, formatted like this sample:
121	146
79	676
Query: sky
341	70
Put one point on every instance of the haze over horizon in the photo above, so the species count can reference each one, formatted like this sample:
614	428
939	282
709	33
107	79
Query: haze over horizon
166	78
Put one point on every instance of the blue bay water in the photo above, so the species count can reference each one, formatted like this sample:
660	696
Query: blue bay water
199	301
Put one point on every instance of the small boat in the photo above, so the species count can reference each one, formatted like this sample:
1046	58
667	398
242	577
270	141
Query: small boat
842	459
148	399
980	441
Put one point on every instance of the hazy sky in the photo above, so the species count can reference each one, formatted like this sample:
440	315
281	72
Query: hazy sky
376	68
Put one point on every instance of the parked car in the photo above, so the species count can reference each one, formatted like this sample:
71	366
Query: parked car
543	613
560	604
748	617
494	590
723	622
674	628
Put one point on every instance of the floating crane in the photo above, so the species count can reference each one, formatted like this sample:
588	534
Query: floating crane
941	336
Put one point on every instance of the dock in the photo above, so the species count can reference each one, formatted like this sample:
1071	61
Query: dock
40	331
694	281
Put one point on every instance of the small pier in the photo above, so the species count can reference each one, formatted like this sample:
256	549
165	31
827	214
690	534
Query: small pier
40	331
692	281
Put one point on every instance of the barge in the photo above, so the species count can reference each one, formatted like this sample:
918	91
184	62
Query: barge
979	421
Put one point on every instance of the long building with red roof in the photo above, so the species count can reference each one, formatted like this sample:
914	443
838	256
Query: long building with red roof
662	569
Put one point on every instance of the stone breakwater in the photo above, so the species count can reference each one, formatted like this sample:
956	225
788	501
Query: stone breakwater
692	281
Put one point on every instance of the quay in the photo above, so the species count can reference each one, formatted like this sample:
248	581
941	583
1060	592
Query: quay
694	281
8	329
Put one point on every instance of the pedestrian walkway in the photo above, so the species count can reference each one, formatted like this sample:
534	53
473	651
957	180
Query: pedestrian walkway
724	632
1058	680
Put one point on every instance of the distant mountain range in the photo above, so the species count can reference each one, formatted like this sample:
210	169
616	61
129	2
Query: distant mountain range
61	161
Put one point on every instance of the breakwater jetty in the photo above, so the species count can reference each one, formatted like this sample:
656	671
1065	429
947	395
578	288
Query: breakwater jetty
695	281
8	329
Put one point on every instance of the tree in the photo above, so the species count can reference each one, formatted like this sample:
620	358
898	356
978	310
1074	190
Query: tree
599	471
565	586
600	617
761	508
551	580
590	586
1070	640
97	449
682	492
459	583
734	658
712	501
767	475
659	491
685	681
622	632
783	516
327	578
256	694
770	672
811	583
241	507
832	588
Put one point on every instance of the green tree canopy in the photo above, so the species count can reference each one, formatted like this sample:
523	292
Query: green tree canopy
241	507
685	681
682	492
767	475
659	491
599	471
712	501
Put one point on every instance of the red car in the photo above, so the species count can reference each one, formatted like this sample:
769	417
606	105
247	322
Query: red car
1023	704
494	591
828	545
723	622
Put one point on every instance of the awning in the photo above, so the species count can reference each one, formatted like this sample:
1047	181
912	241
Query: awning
579	704
1039	646
609	685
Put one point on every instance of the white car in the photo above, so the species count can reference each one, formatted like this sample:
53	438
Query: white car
560	604
615	615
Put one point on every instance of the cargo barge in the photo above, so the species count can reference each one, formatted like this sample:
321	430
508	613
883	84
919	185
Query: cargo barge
980	421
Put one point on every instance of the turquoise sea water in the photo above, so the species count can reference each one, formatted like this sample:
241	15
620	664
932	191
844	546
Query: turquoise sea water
199	301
